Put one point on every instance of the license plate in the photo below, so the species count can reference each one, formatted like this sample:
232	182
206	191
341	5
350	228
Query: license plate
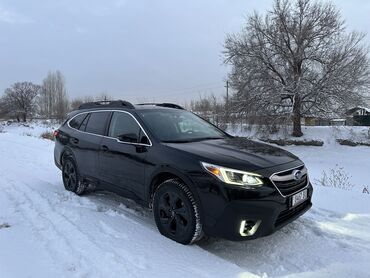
299	197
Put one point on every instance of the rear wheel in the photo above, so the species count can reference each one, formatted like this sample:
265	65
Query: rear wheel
71	178
176	212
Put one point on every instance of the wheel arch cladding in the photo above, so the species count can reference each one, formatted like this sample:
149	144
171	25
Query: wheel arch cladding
167	174
67	153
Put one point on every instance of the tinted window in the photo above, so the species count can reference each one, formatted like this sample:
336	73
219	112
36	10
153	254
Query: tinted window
76	121
97	123
124	126
84	123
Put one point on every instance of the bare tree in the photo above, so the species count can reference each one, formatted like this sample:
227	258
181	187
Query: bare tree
211	108
20	99
53	100
297	60
4	110
75	103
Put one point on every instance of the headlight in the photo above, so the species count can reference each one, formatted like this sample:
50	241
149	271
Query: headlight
236	177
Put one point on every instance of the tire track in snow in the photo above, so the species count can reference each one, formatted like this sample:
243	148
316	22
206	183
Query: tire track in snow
44	233
29	195
38	205
136	261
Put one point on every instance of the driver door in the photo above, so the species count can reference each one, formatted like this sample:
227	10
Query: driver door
122	155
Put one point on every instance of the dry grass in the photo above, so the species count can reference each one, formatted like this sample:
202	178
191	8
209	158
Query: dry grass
4	225
337	178
346	142
47	135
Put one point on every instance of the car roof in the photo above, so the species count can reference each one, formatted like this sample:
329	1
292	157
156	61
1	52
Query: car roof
124	106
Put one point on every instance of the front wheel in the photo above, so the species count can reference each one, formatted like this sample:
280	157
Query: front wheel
176	212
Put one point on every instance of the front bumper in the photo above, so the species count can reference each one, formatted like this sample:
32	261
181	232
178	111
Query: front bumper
269	216
225	210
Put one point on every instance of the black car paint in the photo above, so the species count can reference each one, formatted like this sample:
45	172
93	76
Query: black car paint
132	170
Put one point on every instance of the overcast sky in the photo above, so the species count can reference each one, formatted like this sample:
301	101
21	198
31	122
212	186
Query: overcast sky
163	50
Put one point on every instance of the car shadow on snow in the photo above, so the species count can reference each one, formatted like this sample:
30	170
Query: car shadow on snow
304	245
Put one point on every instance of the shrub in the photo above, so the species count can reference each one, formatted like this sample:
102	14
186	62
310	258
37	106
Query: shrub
346	142
336	178
47	135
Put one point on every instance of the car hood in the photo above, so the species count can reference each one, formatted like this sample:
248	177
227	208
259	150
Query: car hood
236	152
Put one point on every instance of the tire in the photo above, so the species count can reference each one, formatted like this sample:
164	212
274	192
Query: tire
176	212
71	177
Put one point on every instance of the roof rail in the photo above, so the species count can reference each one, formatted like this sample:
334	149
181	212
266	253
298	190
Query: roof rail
115	103
169	105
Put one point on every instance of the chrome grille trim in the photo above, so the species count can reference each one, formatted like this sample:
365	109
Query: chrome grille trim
275	177
289	177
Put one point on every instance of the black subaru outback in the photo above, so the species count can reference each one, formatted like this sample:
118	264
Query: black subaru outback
198	179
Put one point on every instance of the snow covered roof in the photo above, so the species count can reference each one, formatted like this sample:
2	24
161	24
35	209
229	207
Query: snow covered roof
365	108
349	111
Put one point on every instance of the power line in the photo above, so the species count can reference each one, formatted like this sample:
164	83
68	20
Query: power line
195	92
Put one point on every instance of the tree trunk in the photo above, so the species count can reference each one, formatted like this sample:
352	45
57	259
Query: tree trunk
24	116
297	130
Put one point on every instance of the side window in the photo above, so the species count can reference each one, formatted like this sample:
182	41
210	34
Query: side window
76	121
124	128
97	123
84	123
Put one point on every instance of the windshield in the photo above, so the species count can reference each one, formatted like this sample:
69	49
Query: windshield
174	126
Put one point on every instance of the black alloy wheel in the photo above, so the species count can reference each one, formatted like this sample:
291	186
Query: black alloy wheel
176	212
173	214
71	178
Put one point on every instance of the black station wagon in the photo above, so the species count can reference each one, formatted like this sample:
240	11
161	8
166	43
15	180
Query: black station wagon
197	179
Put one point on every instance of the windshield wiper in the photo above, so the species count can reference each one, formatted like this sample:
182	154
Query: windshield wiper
209	138
177	141
192	140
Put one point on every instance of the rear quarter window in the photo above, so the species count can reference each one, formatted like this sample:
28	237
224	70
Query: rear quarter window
77	121
84	123
97	123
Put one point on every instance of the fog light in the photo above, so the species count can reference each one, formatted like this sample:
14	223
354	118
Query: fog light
249	227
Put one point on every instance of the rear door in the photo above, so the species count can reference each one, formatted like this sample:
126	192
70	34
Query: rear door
122	163
86	141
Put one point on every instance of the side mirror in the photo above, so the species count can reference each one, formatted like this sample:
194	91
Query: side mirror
128	138
144	140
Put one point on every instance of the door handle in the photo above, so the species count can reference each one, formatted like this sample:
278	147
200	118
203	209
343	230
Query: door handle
104	148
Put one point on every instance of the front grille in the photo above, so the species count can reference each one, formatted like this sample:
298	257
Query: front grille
287	184
288	214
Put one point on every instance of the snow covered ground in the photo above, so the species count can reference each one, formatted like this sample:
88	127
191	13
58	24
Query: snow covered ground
54	233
